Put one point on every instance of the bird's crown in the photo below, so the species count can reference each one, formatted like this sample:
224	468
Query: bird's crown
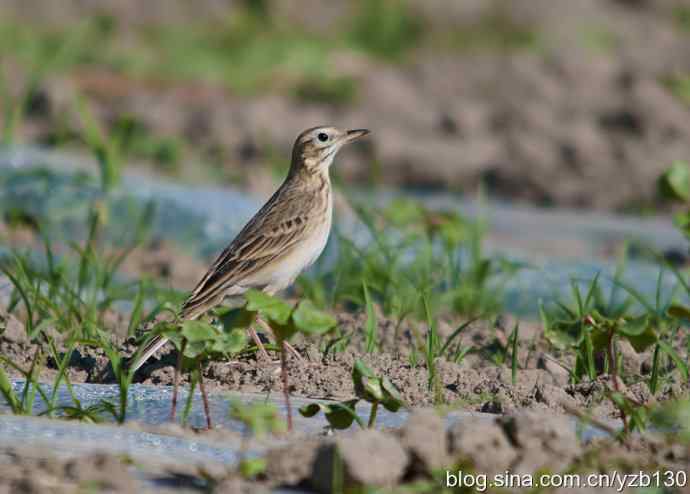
316	147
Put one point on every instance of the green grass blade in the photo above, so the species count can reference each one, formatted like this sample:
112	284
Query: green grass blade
135	318
372	323
514	356
7	390
454	335
680	363
654	378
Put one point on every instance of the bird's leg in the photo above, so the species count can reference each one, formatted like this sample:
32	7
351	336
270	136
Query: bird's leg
287	345
257	341
204	396
176	379
286	388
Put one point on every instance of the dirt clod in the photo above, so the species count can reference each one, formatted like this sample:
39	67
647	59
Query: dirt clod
23	471
292	464
368	457
481	443
424	437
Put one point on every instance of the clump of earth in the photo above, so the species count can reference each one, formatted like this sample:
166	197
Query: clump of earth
512	451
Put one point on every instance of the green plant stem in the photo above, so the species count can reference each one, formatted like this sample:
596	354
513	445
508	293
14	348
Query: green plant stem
514	356
589	356
190	398
286	388
654	378
372	415
613	372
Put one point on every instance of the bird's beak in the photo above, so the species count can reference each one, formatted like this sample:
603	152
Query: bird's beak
355	134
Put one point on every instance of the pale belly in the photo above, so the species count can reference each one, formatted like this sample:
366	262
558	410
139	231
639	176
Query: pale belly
282	274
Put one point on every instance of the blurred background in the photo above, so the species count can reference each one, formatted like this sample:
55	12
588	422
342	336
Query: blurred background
553	102
192	108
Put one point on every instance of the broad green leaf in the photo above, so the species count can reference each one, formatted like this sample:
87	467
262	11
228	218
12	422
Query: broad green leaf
233	342
230	319
392	400
361	369
373	391
635	326
644	340
675	182
195	349
679	311
639	332
196	331
338	415
310	409
273	308
309	319
284	332
341	415
367	384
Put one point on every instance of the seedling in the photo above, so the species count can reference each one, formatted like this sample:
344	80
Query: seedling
22	403
285	321
258	419
413	250
198	341
377	390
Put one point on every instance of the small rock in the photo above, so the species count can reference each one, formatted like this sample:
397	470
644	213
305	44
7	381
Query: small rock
12	329
631	360
424	437
554	396
368	457
557	373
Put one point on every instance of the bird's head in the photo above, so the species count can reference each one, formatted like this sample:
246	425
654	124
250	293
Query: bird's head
315	148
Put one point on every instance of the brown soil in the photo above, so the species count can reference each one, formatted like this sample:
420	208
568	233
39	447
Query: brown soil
525	443
477	383
529	434
31	472
422	453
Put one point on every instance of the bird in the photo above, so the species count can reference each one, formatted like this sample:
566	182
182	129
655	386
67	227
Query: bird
281	240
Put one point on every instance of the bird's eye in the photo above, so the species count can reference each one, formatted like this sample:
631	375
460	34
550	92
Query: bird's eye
323	137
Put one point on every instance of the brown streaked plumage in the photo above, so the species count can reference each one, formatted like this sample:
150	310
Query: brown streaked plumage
287	234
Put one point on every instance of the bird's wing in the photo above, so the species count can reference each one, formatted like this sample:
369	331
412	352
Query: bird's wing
268	235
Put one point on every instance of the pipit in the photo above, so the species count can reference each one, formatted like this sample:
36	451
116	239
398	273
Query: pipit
286	236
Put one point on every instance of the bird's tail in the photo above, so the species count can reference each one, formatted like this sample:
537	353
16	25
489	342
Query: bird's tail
186	313
154	345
